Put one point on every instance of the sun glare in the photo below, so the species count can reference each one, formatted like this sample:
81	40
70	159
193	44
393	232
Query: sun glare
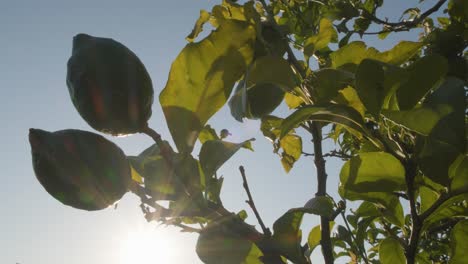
148	247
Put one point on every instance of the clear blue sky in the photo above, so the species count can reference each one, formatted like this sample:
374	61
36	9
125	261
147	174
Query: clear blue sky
35	44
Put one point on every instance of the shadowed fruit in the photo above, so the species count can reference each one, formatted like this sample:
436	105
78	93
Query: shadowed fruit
79	168
109	85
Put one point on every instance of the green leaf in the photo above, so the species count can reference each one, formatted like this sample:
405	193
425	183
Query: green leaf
214	153
338	114
356	51
394	213
136	176
292	150
242	214
391	252
458	174
287	235
348	96
205	71
333	113
370	85
232	11
320	41
207	133
189	171
272	70
159	177
421	120
215	245
320	205
384	34
327	83
292	101
315	235
375	171
453	207
458	9
313	240
425	75
361	24
367	209
198	28
447	139
428	197
271	127
459	252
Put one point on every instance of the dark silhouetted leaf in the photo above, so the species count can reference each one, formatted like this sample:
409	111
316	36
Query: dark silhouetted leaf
425	74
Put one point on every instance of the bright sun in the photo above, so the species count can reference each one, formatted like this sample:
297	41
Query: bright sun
148	247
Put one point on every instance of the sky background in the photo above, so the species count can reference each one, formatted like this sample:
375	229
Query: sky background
35	44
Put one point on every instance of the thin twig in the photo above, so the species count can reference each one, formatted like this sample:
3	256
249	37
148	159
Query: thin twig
406	24
140	192
251	203
185	228
337	154
361	252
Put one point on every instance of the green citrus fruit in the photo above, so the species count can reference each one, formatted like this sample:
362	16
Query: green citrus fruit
79	168
109	85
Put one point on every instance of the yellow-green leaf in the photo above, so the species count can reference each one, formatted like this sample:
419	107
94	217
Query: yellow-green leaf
198	28
391	252
326	34
458	244
201	79
356	51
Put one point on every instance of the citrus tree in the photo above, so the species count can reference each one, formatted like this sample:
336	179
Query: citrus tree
398	119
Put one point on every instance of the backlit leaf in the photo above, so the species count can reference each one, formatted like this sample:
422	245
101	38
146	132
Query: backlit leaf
391	252
333	113
287	235
376	171
292	150
202	77
458	174
356	51
214	153
320	205
421	120
327	83
370	85
271	70
204	17
447	138
326	34
458	243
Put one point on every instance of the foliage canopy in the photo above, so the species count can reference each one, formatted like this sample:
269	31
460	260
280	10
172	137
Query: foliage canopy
398	119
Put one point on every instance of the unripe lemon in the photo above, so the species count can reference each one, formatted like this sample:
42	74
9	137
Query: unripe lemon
79	168
109	85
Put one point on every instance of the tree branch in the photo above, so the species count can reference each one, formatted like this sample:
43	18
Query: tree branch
325	241
416	222
316	132
251	203
214	212
403	24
